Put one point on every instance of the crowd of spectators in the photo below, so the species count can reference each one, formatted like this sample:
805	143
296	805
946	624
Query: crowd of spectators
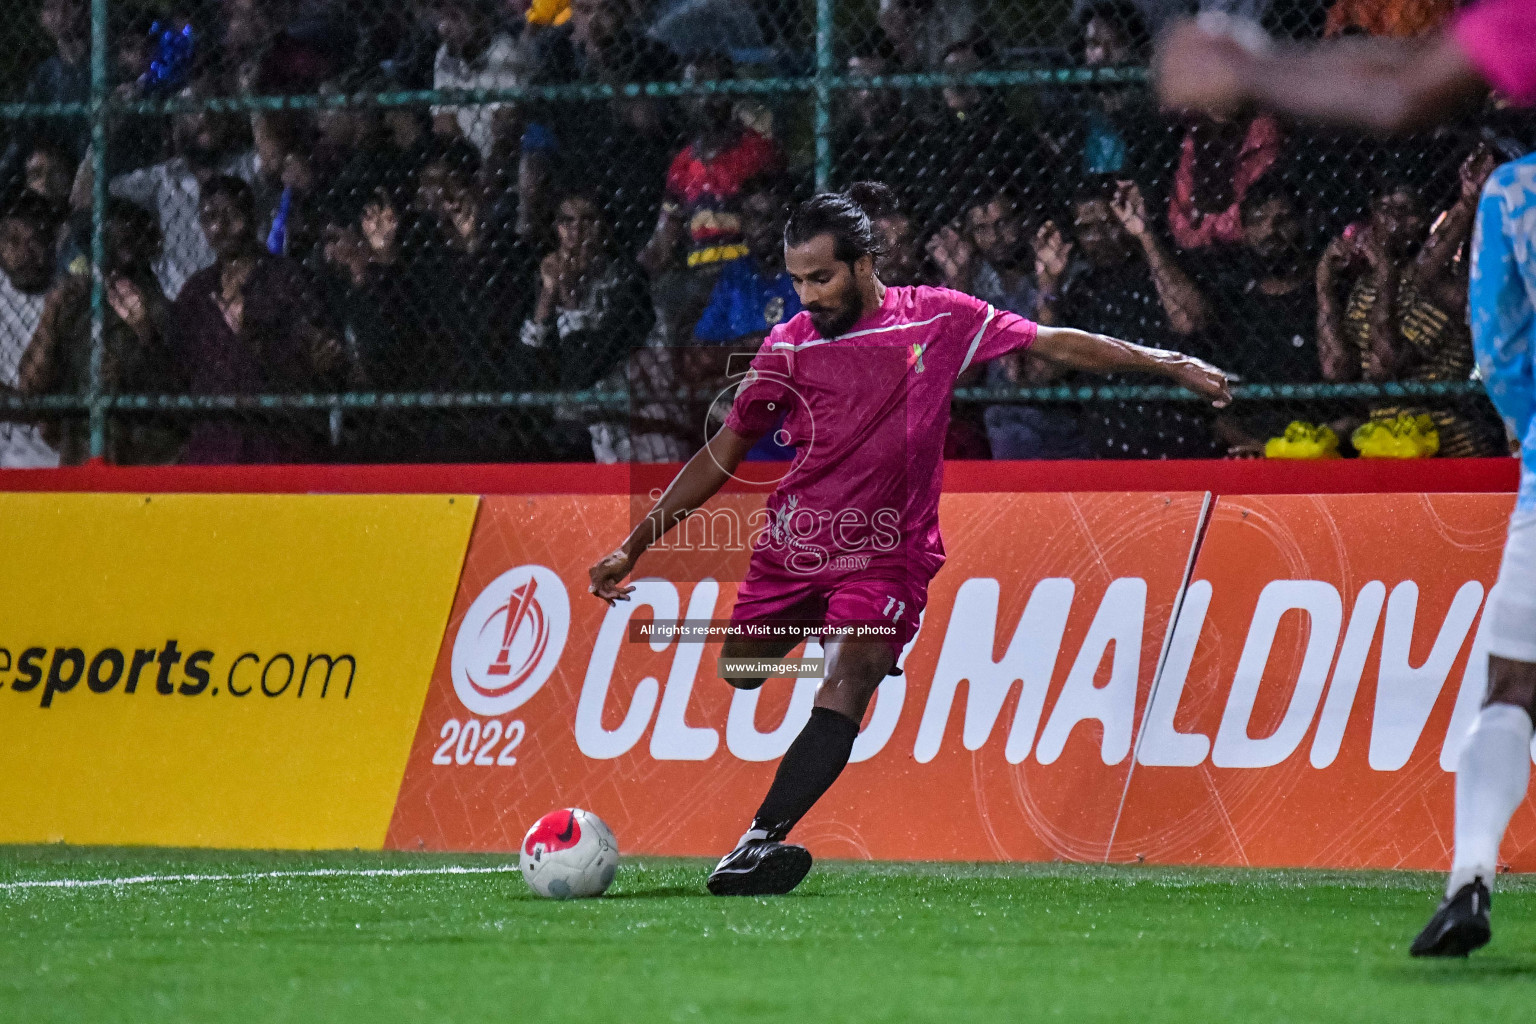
584	245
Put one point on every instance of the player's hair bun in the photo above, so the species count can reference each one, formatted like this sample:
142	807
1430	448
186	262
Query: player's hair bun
846	216
875	198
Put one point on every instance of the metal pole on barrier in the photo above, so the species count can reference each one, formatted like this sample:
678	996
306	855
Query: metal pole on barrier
98	409
823	94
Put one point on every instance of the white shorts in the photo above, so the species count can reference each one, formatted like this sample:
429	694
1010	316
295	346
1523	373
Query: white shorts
1511	609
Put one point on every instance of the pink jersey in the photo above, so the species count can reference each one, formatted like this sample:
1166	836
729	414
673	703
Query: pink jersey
1499	38
867	414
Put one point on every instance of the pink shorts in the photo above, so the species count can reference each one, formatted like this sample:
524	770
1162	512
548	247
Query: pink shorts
893	597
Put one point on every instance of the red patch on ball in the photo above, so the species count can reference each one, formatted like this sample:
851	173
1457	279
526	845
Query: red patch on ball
557	830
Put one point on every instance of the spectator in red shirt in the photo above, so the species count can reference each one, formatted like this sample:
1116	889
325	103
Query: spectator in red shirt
1219	160
700	226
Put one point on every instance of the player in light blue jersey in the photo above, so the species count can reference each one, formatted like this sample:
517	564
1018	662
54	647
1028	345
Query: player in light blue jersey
1393	85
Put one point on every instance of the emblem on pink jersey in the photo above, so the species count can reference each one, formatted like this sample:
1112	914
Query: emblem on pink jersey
916	357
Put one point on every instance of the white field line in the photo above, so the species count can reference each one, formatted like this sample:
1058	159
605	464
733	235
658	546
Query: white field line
252	876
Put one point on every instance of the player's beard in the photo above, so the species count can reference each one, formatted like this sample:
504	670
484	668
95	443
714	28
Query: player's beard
830	323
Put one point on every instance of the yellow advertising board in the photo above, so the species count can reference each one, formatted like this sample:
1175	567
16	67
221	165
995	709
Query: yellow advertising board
217	670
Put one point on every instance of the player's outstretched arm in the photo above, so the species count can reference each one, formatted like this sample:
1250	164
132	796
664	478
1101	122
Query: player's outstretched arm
1100	353
698	481
1387	85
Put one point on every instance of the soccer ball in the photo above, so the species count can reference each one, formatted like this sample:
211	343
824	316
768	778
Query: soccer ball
569	854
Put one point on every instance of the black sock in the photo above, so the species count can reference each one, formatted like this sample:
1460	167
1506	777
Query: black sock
810	766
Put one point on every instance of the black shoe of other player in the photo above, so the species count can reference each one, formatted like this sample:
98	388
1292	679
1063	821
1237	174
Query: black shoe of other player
761	867
1459	926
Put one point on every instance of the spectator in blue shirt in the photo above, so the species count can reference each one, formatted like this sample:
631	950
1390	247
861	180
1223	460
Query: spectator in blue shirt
753	293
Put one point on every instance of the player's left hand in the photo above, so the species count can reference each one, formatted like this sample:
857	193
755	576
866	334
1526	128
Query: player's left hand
1203	379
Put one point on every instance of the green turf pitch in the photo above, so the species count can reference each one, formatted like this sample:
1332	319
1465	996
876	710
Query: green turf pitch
857	942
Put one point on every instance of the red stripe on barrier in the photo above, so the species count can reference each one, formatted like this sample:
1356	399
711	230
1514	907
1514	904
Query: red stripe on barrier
1241	476
1342	476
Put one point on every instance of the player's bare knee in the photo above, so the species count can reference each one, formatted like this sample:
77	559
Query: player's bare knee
848	700
854	672
859	657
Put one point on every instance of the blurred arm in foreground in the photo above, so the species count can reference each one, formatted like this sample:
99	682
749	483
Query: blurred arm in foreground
1387	85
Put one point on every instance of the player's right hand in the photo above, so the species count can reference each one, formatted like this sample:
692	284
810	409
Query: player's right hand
1202	378
607	576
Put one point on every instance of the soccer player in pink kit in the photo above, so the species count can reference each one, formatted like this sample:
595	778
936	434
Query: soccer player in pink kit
864	375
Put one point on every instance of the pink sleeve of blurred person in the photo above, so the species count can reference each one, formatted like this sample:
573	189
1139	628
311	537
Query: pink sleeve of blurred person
1499	37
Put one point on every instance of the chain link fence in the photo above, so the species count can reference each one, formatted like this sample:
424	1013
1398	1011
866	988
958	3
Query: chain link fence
492	230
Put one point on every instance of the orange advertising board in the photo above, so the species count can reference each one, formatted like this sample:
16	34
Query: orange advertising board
1008	737
1246	680
1326	666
